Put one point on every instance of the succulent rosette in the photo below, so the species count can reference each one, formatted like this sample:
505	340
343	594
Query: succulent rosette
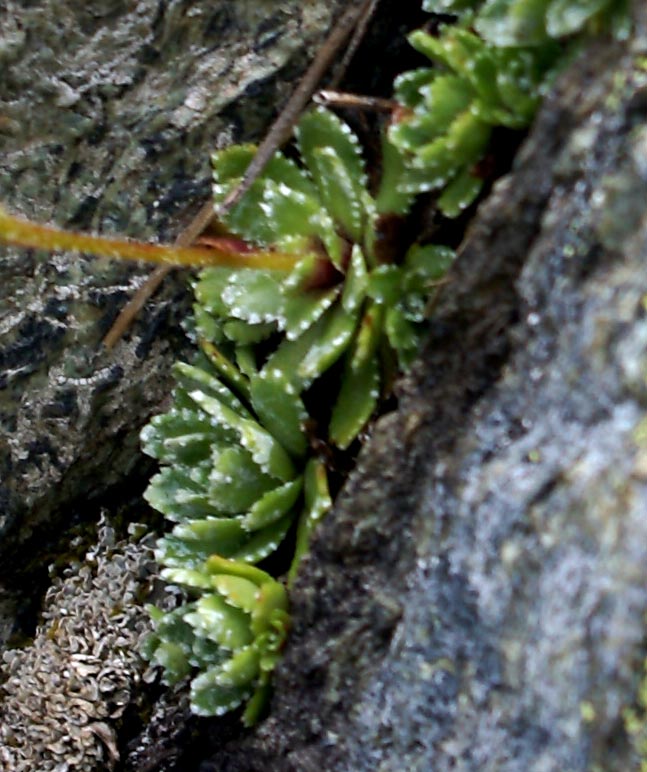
238	471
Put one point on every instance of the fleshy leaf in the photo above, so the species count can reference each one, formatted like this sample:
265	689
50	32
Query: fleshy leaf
271	605
317	503
320	129
312	353
340	193
265	450
356	282
208	698
189	577
236	481
263	541
181	437
241	670
175	494
280	409
273	505
355	403
460	193
237	591
173	659
191	543
301	310
190	376
217	564
215	619
513	22
253	296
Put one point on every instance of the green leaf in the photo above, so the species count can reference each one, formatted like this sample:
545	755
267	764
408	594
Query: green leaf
317	503
175	494
236	481
188	577
241	670
244	333
272	605
356	281
429	262
513	22
403	335
340	193
450	6
518	84
205	653
215	619
265	450
172	658
181	437
467	138
319	129
257	705
227	372
459	194
355	403
390	198
311	354
567	18
408	86
280	409
189	377
246	362
385	284
303	308
263	541
209	698
360	387
208	290
298	218
237	591
279	205
190	544
253	296
445	97
217	564
273	505
324	349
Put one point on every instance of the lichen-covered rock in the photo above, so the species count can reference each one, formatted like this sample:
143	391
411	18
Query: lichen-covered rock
477	600
108	113
63	695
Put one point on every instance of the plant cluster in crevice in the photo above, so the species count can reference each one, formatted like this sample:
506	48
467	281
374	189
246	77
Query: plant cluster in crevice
240	468
302	330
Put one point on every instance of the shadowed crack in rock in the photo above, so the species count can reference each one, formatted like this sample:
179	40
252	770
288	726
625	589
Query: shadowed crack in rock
477	599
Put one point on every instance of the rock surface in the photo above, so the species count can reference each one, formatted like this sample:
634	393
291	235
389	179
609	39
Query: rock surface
108	112
477	599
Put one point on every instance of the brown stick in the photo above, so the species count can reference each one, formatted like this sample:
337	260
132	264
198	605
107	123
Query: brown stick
128	313
278	133
282	127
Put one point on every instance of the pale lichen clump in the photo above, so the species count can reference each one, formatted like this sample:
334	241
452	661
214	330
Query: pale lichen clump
63	695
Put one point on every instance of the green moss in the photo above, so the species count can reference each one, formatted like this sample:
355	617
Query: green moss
635	720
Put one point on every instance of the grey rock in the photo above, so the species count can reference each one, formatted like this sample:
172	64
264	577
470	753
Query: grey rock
477	599
108	113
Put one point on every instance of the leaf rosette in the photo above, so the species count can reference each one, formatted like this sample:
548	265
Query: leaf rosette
232	632
324	310
533	22
238	471
450	110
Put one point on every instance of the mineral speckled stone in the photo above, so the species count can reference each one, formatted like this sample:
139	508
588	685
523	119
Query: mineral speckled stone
108	113
477	599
